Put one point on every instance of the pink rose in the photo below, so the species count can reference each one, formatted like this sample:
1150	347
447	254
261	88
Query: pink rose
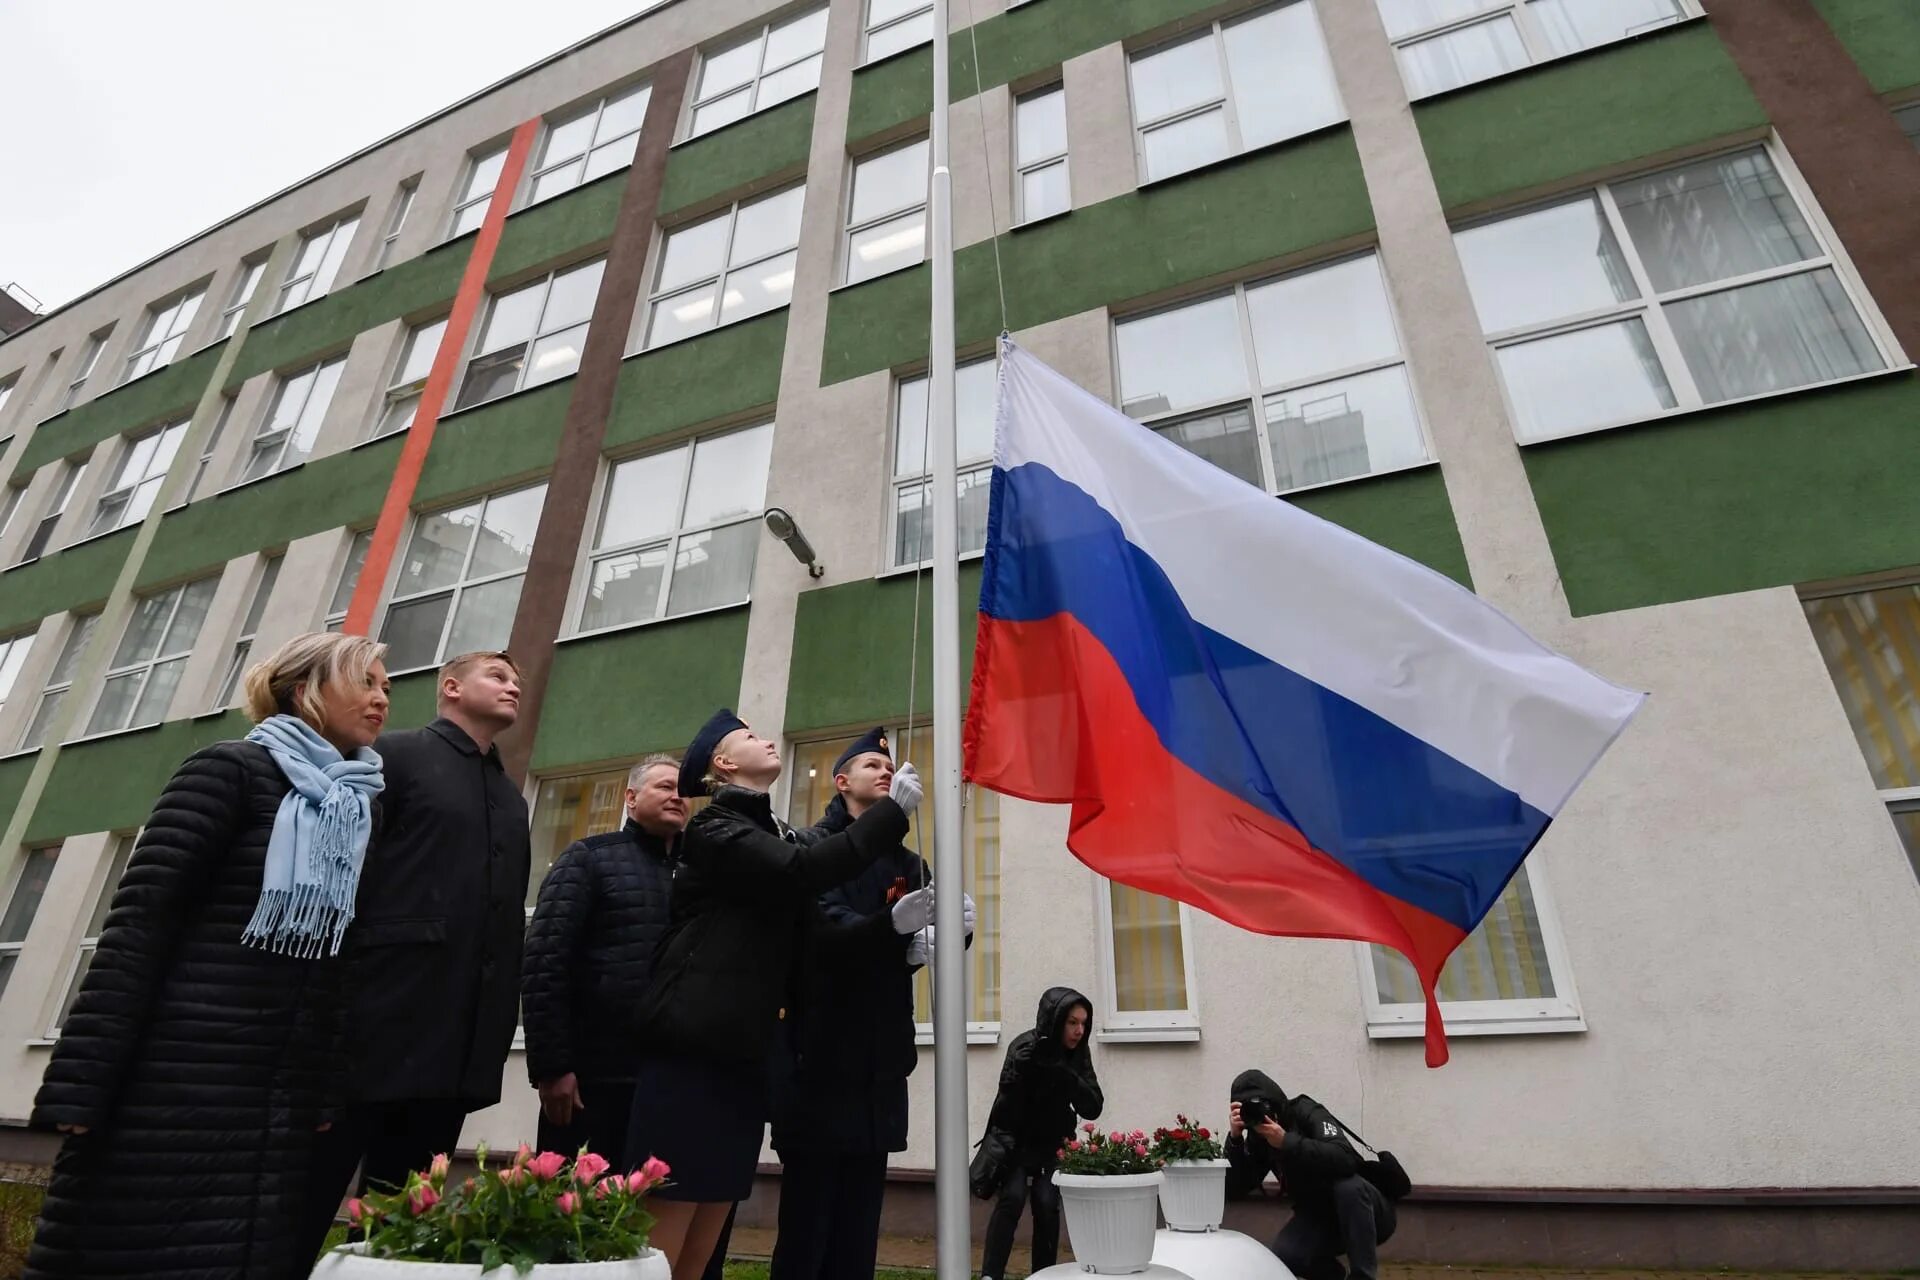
1139	1136
422	1198
437	1171
524	1154
1139	1151
600	1189
1117	1138
567	1202
1090	1127
513	1177
587	1167
547	1165
356	1212
649	1175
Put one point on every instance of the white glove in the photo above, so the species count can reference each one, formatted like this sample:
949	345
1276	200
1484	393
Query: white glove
911	913
967	912
906	790
920	950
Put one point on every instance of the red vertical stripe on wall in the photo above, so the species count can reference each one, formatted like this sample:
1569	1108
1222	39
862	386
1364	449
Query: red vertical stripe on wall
433	398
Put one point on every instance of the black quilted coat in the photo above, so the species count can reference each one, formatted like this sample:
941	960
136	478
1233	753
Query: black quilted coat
200	1067
602	913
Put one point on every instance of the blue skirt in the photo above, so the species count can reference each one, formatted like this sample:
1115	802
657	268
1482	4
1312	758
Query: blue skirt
706	1120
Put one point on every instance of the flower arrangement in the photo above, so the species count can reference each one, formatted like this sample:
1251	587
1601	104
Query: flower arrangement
540	1208
1108	1154
1185	1140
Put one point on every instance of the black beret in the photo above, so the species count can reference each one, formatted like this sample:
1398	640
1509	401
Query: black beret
694	765
874	739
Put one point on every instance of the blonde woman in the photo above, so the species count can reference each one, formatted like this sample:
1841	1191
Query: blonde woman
205	1050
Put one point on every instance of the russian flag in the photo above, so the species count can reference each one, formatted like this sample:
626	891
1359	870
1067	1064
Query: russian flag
1252	710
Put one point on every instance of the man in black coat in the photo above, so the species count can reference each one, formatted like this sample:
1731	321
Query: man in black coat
436	940
602	913
1335	1209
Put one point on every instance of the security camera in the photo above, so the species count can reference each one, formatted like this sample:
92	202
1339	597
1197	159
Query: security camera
780	524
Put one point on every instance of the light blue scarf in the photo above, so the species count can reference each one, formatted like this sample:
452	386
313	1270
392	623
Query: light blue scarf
319	840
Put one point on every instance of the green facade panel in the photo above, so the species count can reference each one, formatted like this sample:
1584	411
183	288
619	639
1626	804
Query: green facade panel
491	444
53	584
642	689
1794	489
1407	512
731	370
736	157
1276	202
171	392
1580	115
412	288
1882	35
411	700
543	234
112	783
851	645
13	778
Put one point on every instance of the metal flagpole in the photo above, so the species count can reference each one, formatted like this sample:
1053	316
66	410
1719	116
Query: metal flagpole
953	1220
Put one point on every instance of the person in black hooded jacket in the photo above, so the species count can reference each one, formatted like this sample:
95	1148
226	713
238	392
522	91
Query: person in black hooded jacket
1335	1210
1046	1081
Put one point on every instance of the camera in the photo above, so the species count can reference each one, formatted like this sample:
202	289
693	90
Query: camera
1255	1111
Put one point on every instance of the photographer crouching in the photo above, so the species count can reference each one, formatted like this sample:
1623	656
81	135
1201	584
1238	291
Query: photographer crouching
1342	1204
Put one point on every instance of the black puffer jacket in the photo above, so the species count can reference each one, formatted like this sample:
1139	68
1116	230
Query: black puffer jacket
1314	1156
200	1066
742	891
601	916
1042	1086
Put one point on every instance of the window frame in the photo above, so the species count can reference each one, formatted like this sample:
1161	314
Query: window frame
11	501
1064	158
923	9
336	619
120	843
850	228
1532	38
549	126
1142	1026
252	271
52	850
89	361
15	648
145	667
459	587
413	389
898	483
752	87
40	541
286	433
1650	305
179	312
312	289
8	385
396	223
79	635
265	576
718	282
169	437
476	161
545	283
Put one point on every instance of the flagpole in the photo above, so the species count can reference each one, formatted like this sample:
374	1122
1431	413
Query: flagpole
953	1219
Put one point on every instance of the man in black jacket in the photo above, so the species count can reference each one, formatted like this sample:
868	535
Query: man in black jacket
436	940
1335	1210
602	913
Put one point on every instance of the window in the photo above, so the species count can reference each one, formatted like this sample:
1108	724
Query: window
1908	116
6	390
532	334
1040	154
161	334
570	809
1689	286
349	579
59	681
249	627
287	433
152	656
1871	641
484	172
36	869
590	143
1149	968
1287	383
1443	44
13	655
678	530
887	216
317	264
143	469
893	25
250	273
121	851
213	446
812	787
63	484
88	358
975	386
735	264
397	222
460	579
1239	85
1510	974
410	377
10	503
775	63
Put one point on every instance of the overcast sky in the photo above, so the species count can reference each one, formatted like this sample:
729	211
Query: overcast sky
128	126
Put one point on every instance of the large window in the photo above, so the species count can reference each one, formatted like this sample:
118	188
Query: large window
483	172
212	447
243	287
314	269
1510	974
735	264
152	656
893	25
1040	155
59	681
570	809
287	433
348	581
161	334
249	627
769	66
1443	44
396	222
1871	641
975	387
532	334
1233	87
678	530
1149	967
89	357
593	141
136	483
64	481
13	655
1689	286
410	377
460	579
36	869
1287	383
887	215
117	857
811	771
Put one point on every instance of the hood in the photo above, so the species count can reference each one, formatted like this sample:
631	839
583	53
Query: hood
1257	1084
836	818
1052	1014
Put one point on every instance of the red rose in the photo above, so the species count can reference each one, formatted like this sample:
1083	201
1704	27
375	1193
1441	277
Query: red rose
1204	1135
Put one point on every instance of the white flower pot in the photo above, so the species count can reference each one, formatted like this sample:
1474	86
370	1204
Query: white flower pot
1193	1195
350	1263
1110	1220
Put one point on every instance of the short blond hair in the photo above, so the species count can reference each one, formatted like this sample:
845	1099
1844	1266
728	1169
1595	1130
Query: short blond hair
316	661
638	774
457	667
